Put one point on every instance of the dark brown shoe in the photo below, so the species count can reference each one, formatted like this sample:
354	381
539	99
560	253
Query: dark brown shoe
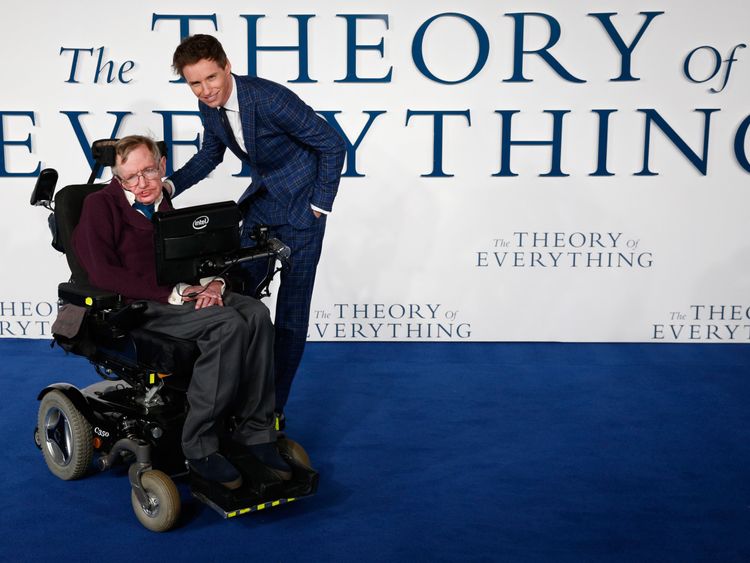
215	467
268	455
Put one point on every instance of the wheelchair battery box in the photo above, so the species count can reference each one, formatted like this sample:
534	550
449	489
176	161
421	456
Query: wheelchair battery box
185	239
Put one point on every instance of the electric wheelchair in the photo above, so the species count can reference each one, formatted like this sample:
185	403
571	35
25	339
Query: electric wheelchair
135	415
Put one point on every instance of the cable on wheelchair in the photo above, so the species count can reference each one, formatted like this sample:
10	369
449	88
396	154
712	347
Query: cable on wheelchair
194	294
262	289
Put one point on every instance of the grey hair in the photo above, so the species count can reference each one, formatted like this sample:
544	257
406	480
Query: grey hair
128	144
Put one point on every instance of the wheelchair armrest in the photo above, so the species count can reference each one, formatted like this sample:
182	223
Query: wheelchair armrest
87	296
111	318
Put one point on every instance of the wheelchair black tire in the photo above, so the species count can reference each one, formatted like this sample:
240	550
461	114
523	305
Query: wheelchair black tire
65	436
163	493
290	448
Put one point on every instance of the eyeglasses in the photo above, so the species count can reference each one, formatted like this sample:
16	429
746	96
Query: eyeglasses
146	174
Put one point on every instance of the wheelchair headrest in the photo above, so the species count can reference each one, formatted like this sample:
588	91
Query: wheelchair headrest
103	151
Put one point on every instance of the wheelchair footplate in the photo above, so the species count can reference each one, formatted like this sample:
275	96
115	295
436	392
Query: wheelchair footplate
261	487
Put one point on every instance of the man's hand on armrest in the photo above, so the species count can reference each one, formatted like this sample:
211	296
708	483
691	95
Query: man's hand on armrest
207	294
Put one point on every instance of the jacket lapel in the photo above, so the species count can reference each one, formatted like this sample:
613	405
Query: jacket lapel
247	115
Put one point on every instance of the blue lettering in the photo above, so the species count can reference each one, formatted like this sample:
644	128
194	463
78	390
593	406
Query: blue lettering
601	168
418	42
74	65
739	144
302	46
352	47
686	64
626	51
555	143
652	116
110	66
101	65
4	172
170	141
351	149
437	142
543	52
184	20
127	66
74	118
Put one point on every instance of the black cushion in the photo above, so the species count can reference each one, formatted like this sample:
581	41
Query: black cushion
68	206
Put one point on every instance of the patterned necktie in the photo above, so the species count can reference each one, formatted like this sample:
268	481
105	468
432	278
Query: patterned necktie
233	144
146	209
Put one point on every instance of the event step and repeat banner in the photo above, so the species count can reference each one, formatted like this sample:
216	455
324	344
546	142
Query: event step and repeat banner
518	170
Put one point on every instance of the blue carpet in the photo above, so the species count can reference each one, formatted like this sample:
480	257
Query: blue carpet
438	452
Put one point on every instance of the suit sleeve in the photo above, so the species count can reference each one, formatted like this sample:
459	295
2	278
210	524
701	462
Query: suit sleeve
96	250
210	155
301	122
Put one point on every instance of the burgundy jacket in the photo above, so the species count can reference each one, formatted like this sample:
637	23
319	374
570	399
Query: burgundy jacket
114	243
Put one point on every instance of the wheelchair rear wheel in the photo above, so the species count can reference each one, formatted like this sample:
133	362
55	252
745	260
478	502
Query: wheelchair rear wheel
64	435
164	502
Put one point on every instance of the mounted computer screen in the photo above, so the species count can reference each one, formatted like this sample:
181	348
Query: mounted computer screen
185	239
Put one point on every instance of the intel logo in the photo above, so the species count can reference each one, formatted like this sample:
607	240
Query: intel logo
200	222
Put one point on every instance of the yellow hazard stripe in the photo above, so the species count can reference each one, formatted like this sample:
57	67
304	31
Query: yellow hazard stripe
258	507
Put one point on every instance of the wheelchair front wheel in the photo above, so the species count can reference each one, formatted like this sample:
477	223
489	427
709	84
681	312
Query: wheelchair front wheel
164	502
64	436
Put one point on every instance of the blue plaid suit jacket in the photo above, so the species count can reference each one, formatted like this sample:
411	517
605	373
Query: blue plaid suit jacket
291	150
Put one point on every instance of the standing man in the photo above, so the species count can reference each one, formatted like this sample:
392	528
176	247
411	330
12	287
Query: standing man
295	159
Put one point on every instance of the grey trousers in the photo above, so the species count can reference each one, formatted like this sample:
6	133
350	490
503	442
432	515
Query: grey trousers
233	375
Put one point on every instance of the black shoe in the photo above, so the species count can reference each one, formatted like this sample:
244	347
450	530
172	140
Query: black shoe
268	455
216	468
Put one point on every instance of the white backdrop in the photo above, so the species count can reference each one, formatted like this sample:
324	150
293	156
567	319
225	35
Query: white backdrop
617	255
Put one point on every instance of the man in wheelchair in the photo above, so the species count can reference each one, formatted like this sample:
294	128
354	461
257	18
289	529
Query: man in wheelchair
186	369
233	374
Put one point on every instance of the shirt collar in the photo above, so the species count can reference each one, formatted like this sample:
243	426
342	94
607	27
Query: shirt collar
233	103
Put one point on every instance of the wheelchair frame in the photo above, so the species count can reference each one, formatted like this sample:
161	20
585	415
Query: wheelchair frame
135	415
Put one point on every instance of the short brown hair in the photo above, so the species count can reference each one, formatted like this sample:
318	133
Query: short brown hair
195	48
126	145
